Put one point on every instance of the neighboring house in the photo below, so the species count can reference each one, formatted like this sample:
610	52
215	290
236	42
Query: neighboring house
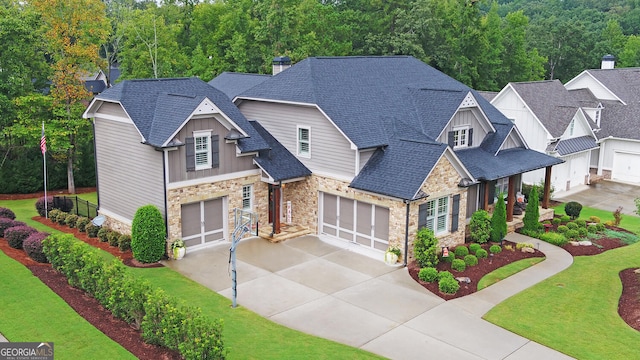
552	120
363	149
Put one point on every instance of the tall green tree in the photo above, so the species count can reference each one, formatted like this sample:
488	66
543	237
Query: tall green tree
499	220
519	61
630	55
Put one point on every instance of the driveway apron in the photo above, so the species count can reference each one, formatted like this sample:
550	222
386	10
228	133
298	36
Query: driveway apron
330	289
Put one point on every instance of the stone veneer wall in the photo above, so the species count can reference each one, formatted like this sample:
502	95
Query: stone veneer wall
116	225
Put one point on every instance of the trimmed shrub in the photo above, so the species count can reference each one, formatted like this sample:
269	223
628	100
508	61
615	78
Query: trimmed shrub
71	220
7	213
448	285
425	248
148	235
573	209
81	223
600	227
471	260
554	238
461	251
113	237
563	229
480	226
17	234
449	258
103	234
6	223
458	265
482	254
495	249
445	274
40	205
53	214
428	274
61	219
32	245
92	230
565	218
594	219
556	221
519	246
532	212
592	229
572	226
508	247
608	223
124	243
582	232
499	220
473	248
572	234
581	223
530	233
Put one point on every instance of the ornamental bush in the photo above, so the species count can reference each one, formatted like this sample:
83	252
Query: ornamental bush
600	227
124	243
582	232
70	220
428	274
32	245
573	209
554	238
565	218
592	229
148	235
482	254
532	212
519	246
103	234
471	260
458	265
61	219
40	205
81	223
473	248
480	226
53	214
6	223
563	229
425	248
445	274
594	219
556	221
499	220
461	251
581	223
572	226
113	237
495	249
448	285
572	234
7	213
17	234
448	259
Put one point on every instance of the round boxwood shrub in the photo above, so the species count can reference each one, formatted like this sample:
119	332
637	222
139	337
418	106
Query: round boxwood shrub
458	265
563	229
581	223
582	232
71	220
428	274
565	218
103	234
572	226
124	243
81	223
113	237
40	205
554	238
32	245
461	251
592	229
148	235
556	221
445	274
92	230
425	248
573	209
471	260
594	219
480	226
61	219
600	227
7	213
473	248
448	285
572	234
481	254
6	223
17	234
495	249
53	214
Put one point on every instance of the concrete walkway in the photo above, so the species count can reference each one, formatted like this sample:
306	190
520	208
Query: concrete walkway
330	289
606	195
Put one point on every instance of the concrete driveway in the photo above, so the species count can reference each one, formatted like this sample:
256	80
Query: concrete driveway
330	289
605	195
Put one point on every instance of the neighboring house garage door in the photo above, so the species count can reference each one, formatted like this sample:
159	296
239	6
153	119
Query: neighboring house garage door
355	221
625	167
203	222
579	169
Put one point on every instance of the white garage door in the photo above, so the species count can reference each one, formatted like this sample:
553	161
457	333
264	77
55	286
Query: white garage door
355	221
579	169
203	222
626	167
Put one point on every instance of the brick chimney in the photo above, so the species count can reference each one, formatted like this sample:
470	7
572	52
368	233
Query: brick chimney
280	64
608	62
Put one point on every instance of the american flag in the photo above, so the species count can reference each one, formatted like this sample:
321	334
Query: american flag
43	141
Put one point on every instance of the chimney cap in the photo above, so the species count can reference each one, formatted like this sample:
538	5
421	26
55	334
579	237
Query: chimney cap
281	60
608	57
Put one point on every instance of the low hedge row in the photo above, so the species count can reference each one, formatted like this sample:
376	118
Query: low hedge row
84	224
163	320
21	236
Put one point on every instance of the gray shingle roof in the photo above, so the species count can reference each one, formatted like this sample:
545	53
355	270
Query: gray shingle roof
278	162
574	145
483	165
623	82
233	84
621	121
158	107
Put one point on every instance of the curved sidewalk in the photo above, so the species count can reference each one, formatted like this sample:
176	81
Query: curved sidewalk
330	289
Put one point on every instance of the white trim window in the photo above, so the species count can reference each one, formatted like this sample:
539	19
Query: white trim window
502	187
202	145
572	126
247	197
461	137
304	141
438	215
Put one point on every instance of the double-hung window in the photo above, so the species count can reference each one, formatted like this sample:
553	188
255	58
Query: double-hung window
202	144
246	197
461	137
304	141
434	215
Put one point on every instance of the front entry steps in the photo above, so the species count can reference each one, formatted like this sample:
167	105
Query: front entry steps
286	232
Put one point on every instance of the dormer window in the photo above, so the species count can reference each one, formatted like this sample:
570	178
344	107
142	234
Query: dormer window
461	137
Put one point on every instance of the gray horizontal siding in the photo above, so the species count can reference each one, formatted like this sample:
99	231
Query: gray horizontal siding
465	118
330	150
129	173
229	162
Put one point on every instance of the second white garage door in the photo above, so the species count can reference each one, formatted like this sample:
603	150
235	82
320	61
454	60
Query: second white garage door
203	222
626	167
355	221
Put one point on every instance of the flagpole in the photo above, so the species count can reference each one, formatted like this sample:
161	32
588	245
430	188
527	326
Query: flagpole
43	147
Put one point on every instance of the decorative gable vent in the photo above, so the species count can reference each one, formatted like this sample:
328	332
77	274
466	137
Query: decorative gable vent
206	107
469	101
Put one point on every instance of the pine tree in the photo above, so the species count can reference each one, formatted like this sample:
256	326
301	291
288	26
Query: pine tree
499	220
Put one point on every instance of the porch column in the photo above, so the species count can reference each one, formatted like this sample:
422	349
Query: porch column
511	197
276	209
547	187
485	201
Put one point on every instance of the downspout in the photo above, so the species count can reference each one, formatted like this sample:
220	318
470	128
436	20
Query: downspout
406	234
165	165
95	160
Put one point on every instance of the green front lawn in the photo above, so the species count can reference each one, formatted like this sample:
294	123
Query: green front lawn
506	271
629	222
576	311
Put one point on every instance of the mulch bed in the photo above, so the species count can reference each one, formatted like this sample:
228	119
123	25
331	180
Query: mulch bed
41	193
629	304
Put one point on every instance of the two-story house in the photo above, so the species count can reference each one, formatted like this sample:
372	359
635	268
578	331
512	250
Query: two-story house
362	149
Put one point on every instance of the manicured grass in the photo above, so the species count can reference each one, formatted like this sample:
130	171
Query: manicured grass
32	312
25	210
91	197
246	334
629	222
506	271
576	311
